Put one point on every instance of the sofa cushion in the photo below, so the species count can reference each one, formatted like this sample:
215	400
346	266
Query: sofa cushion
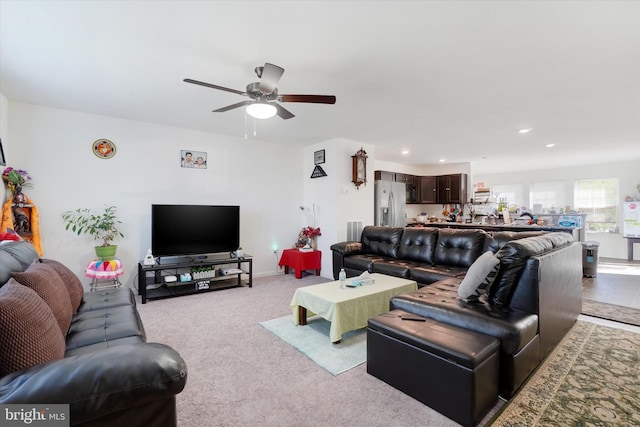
29	333
392	267
381	240
107	298
439	301
480	276
8	264
22	251
103	326
458	248
71	281
418	244
427	274
49	286
362	262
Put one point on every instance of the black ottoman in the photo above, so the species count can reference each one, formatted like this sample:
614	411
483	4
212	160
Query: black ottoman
450	369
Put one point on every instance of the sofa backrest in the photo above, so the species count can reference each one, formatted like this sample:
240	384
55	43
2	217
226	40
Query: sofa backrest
418	244
15	256
458	248
497	239
383	241
515	260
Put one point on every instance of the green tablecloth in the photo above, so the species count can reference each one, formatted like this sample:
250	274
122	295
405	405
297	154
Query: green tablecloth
349	309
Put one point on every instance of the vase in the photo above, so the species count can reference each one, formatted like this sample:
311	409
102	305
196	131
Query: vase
313	242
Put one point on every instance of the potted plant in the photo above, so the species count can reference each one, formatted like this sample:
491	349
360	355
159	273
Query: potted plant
239	252
102	227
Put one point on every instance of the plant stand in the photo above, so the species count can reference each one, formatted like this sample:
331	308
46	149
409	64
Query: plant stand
104	273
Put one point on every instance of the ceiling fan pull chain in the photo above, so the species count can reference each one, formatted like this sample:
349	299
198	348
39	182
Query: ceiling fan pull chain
245	125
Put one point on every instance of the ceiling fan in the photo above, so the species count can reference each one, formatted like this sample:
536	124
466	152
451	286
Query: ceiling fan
264	95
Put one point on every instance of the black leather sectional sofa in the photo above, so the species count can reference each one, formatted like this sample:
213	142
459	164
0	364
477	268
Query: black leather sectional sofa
98	361
534	300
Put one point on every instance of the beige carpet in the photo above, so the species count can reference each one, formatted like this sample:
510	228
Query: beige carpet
591	378
240	374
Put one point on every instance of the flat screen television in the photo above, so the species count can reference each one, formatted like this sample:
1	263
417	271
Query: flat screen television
194	229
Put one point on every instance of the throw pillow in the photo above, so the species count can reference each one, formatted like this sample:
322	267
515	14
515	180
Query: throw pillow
71	281
49	286
479	277
29	333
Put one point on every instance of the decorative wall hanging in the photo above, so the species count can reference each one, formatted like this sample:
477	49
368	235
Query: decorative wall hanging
104	149
3	161
359	168
193	159
318	172
318	157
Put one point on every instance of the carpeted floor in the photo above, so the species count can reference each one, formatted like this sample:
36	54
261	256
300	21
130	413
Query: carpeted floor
591	378
241	374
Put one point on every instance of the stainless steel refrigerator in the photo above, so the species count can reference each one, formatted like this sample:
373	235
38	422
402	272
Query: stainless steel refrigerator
390	204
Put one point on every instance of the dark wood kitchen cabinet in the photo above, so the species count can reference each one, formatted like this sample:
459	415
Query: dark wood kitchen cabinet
428	190
451	188
384	176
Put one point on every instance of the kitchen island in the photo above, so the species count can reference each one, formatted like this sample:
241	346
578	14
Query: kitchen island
574	231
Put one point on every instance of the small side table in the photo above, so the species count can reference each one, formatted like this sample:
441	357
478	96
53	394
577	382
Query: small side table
301	261
104	273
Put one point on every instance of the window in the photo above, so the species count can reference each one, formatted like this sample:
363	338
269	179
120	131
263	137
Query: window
598	198
550	196
511	193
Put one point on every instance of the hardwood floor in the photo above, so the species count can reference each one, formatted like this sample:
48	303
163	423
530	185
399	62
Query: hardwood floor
617	282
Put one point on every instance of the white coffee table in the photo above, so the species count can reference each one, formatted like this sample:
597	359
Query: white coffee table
347	309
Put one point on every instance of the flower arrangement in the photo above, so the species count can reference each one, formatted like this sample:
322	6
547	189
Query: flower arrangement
311	232
16	178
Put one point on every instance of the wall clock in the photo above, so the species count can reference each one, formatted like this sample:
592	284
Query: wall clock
359	168
104	148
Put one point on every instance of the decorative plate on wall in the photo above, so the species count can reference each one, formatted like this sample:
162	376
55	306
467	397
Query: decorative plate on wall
104	148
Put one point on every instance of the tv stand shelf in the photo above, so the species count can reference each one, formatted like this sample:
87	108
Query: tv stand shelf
152	285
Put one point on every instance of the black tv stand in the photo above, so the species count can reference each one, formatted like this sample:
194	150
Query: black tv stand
210	274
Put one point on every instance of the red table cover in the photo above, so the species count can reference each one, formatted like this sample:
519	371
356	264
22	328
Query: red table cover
301	261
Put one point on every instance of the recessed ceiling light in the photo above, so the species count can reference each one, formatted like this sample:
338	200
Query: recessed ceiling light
405	151
525	130
550	145
442	160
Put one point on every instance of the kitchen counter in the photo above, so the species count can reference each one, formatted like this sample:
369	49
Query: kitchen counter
501	227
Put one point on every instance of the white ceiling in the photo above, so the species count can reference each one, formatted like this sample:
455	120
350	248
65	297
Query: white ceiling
443	79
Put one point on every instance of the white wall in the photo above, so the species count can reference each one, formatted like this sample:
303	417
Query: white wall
334	196
55	147
4	117
628	173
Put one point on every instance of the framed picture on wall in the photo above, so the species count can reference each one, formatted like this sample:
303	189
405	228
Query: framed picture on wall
3	161
193	159
318	157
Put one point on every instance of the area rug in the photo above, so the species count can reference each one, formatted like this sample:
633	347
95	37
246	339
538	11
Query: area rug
312	340
617	313
591	378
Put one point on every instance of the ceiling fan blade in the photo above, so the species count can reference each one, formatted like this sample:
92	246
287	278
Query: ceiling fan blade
232	106
270	77
226	89
315	99
283	112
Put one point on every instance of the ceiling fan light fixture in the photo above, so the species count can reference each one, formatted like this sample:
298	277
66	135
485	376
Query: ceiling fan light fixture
261	110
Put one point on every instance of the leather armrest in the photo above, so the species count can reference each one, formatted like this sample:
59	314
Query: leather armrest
347	248
100	383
